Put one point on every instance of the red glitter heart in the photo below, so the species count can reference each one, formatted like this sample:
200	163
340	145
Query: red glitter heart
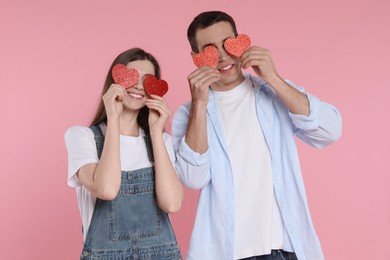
154	86
124	76
209	57
237	46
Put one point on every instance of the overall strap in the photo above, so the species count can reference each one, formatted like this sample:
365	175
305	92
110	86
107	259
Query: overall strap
149	148
99	138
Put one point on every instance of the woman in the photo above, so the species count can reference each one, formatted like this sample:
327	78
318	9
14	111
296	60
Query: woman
122	168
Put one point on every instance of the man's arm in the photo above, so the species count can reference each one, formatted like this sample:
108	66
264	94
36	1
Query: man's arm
316	123
192	167
189	131
260	60
323	125
199	82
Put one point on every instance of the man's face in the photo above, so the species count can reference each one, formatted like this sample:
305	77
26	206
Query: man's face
228	66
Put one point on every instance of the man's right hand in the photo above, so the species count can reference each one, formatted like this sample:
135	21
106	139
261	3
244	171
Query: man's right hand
200	81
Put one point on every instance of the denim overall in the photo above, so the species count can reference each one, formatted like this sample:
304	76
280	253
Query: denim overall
131	226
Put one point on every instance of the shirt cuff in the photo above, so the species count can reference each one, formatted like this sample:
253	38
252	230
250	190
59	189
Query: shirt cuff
309	122
191	156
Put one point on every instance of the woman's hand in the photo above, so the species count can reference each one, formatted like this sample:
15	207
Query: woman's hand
159	113
113	100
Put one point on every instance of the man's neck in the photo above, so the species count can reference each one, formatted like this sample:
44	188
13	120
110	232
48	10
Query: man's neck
218	86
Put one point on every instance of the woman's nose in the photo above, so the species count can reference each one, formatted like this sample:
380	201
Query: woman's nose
139	85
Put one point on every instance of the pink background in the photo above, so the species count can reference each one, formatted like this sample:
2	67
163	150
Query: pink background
53	61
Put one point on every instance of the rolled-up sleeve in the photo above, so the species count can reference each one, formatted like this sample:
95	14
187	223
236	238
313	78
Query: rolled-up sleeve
323	125
192	167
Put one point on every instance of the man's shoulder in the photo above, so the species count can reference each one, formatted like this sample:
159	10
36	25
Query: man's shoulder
185	107
182	113
258	82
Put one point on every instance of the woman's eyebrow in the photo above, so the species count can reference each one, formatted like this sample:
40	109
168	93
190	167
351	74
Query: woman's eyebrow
144	76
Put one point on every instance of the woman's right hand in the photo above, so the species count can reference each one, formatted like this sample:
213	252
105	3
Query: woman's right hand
113	100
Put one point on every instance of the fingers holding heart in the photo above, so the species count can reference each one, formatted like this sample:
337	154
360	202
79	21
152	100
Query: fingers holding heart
159	104
159	113
199	82
260	60
252	57
203	77
113	98
115	92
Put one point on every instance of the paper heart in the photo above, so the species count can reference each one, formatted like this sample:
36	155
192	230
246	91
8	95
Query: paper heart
209	57
124	76
237	46
155	86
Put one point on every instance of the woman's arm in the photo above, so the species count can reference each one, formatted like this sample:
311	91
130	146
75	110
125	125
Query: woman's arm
104	178
168	186
169	190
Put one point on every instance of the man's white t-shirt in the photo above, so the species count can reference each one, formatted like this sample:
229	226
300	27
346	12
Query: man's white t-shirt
258	224
82	150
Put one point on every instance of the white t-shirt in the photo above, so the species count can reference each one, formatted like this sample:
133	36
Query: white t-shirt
258	227
82	150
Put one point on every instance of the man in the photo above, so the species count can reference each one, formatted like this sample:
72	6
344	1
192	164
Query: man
235	142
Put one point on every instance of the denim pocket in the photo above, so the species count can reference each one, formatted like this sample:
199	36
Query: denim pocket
134	214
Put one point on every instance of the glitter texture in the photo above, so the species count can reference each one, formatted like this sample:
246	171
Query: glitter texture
124	76
237	46
154	86
209	57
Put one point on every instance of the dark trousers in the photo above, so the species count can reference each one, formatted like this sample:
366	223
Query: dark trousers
275	255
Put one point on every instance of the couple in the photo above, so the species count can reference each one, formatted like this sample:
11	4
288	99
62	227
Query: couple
234	141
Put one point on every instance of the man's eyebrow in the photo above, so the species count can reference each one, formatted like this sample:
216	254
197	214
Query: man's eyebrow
207	45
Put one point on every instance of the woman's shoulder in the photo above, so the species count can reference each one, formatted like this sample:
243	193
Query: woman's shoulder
77	131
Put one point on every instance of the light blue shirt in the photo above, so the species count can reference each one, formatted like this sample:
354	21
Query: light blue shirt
213	234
